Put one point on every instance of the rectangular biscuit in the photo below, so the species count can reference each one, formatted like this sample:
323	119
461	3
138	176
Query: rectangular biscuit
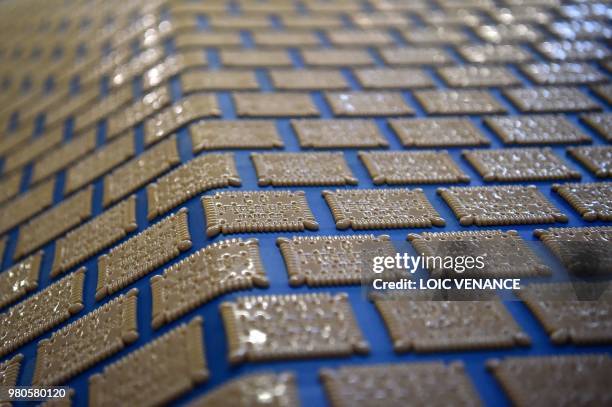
86	341
140	170
331	260
195	81
167	367
337	57
235	134
571	312
42	311
604	90
554	380
351	37
379	19
126	118
293	169
280	390
381	209
577	29
411	167
519	164
521	11
494	53
54	222
177	9
26	205
61	157
173	117
353	133
203	173
99	162
470	76
95	235
421	325
312	21
435	36
563	73
399	384
20	279
573	50
393	78
549	99
356	103
592	200
246	58
296	326
287	39
436	102
509	33
601	122
308	79
199	40
257	211
9	186
143	253
597	159
239	22
583	251
501	205
438	132
274	104
535	129
412	56
220	268
506	254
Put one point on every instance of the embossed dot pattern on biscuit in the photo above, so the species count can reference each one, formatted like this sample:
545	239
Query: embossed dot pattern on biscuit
197	197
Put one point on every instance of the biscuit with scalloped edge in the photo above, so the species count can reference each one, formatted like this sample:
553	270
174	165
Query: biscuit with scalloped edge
501	205
331	260
399	384
253	390
519	164
505	254
412	167
574	312
558	380
597	159
294	326
419	324
593	200
297	169
257	211
381	208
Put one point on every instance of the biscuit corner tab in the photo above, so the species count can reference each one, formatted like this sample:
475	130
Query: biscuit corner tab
213	224
129	318
195	348
102	286
237	352
184	243
76	294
